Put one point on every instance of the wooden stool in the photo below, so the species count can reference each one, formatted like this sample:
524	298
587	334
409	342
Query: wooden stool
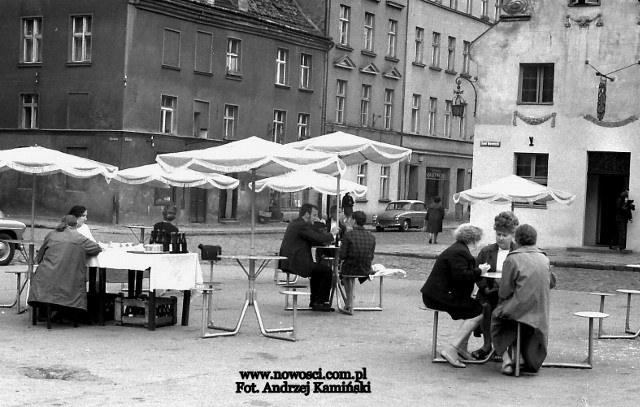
589	362
627	329
349	308
295	295
602	297
20	287
434	342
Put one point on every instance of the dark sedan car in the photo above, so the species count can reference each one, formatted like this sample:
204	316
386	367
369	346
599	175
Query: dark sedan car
9	229
403	215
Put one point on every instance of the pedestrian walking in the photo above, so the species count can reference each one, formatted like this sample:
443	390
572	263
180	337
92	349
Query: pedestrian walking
434	218
624	206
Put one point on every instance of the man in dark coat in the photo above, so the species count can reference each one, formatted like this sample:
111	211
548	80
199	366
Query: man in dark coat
623	216
60	278
296	245
347	204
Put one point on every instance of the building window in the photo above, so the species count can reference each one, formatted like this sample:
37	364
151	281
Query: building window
305	71
384	182
282	61
469	6
341	100
345	15
454	4
29	111
433	110
462	127
451	56
536	83
369	26
168	114
435	49
279	121
579	3
31	40
388	109
415	113
485	8
466	60
392	38
534	167
200	119
447	118
233	56
419	45
303	126
361	178
204	51
498	11
365	104
230	122
81	40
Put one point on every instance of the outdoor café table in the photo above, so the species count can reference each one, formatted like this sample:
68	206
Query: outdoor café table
252	272
142	229
177	271
21	286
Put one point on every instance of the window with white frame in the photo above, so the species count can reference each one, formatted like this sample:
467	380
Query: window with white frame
303	126
343	25
29	110
451	55
462	126
279	120
388	109
32	40
233	55
466	60
536	84
454	4
81	38
484	12
469	6
365	105
498	11
534	167
168	114
415	113
305	70
433	110
369	26
435	49
282	61
230	122
361	178
419	55
385	171
447	118
392	38
341	100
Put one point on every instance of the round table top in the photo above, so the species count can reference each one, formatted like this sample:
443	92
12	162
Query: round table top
295	292
596	293
628	291
590	314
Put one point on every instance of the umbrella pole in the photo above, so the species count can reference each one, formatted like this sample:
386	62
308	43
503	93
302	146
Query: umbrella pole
338	202
253	209
33	206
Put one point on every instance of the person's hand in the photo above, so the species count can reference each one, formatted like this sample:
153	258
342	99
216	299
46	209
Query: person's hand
335	230
485	267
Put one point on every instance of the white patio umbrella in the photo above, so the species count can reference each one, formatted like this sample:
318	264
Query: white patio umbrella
155	176
38	160
259	156
513	189
299	180
353	150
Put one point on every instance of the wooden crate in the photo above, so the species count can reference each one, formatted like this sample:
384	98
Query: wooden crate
135	311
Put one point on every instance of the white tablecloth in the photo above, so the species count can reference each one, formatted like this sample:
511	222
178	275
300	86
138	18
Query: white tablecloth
168	271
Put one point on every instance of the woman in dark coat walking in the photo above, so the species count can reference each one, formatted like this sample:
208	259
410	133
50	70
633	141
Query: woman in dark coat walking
435	215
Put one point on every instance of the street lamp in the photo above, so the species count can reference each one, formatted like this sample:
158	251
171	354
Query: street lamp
458	103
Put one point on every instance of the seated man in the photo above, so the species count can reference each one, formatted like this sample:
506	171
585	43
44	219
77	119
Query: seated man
298	239
169	213
356	252
60	278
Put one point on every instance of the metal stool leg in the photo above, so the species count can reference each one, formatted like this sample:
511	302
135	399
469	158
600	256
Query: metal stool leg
517	356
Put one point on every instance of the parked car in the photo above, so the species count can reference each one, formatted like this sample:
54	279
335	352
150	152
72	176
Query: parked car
9	229
404	214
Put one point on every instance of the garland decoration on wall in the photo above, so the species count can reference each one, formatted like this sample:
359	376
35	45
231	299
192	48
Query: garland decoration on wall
583	21
534	121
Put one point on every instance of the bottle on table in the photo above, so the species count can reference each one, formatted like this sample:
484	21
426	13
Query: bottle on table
166	241
174	242
183	248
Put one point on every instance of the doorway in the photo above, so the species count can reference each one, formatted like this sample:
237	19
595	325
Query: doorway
608	174
198	205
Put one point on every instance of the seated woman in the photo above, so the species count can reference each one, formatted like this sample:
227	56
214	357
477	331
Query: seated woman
60	278
524	298
80	212
449	289
493	255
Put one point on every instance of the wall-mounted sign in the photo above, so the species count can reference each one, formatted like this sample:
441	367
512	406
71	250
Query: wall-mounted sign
437	173
486	143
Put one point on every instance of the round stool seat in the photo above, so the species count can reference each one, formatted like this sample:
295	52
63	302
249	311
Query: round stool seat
294	286
628	291
603	294
286	292
590	314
